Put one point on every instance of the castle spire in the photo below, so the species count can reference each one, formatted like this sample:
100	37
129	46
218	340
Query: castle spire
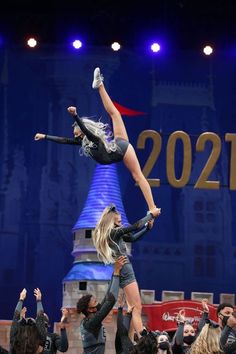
104	190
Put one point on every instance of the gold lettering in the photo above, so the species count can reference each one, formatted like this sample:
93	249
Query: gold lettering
157	142
202	181
232	179
170	159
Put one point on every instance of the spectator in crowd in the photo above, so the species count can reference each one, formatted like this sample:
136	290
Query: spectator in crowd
27	335
208	340
55	341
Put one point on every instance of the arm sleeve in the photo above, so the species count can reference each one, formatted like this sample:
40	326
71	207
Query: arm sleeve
122	334
112	283
127	319
133	237
39	307
107	305
202	321
228	344
114	287
179	335
63	140
40	324
16	317
83	128
61	342
121	231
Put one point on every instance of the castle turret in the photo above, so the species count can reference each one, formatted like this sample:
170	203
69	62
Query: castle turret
89	274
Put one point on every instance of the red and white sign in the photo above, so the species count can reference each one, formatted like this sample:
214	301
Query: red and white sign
162	316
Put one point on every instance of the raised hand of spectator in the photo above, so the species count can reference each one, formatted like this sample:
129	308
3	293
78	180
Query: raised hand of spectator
180	318
65	315
205	305
23	312
38	294
23	294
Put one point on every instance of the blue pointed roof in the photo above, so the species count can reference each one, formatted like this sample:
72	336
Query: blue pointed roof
105	189
85	271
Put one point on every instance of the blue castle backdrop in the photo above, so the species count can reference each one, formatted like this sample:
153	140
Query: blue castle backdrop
44	186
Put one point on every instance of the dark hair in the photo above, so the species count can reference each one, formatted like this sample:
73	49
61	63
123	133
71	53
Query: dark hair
26	339
3	351
147	344
211	323
46	320
82	304
222	306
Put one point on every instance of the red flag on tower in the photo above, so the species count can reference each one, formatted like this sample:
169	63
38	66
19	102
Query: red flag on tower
127	111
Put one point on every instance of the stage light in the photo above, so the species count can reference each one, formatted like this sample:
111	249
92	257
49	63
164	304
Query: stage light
115	46
77	44
207	50
31	42
155	47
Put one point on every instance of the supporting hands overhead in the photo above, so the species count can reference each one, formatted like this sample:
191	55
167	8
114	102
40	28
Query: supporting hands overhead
65	315
23	312
205	305
155	212
119	264
23	294
38	294
180	317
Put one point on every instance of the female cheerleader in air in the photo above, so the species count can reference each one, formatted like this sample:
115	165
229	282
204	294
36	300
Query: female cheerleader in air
96	143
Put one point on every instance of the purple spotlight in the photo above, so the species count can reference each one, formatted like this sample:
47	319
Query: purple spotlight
155	47
77	44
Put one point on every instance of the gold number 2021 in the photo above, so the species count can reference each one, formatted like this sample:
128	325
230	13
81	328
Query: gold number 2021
208	141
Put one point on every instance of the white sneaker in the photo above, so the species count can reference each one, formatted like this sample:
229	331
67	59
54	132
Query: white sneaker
97	79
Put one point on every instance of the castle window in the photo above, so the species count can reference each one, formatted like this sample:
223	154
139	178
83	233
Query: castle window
210	206
199	218
211	217
82	285
198	205
88	233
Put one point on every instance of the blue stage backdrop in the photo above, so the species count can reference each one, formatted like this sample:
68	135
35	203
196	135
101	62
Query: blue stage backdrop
185	141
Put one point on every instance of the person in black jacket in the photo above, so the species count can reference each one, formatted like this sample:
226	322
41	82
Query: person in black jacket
228	335
123	343
186	333
146	343
55	341
27	335
92	330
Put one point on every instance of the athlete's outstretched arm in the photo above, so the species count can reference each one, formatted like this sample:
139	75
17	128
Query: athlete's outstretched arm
57	139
